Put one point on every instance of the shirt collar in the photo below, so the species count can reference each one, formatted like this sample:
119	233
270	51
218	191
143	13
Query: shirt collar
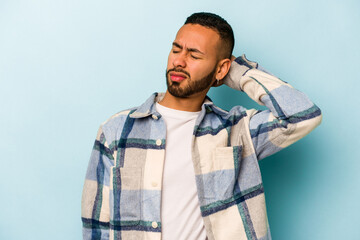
148	107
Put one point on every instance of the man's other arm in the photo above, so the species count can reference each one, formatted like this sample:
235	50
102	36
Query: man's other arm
95	212
290	115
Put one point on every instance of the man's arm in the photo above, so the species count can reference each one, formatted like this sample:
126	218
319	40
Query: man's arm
95	198
291	114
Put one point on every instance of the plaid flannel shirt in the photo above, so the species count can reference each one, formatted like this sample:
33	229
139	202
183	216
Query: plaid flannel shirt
122	191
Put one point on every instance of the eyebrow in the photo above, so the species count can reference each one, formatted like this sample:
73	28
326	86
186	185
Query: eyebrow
189	49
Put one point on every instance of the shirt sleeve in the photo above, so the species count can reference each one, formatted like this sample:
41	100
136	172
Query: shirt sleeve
290	115
95	197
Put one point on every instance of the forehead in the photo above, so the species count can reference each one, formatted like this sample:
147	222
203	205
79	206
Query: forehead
197	36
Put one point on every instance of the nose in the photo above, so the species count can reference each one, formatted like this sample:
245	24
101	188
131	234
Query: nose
179	60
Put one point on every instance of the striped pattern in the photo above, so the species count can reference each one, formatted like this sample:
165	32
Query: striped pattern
122	191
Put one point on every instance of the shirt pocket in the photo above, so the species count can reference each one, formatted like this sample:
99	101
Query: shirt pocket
220	176
126	195
227	157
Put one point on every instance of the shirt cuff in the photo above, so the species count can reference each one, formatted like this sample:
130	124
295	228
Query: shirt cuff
238	69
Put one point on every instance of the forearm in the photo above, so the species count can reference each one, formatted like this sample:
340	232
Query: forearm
291	114
280	97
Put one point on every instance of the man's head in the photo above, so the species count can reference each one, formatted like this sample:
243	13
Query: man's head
218	24
200	54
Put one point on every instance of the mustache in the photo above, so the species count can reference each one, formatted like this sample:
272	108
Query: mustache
178	70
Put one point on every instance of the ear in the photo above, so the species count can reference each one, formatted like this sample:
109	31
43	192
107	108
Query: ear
223	68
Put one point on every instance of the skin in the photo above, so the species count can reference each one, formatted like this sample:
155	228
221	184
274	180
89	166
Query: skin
196	52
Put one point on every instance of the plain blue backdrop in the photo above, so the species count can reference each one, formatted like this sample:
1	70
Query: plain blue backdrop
66	66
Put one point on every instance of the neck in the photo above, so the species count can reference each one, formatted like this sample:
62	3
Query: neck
191	104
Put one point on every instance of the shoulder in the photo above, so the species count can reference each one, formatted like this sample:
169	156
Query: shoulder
116	122
118	118
237	116
112	127
235	112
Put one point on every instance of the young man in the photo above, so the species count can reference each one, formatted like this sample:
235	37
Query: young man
179	167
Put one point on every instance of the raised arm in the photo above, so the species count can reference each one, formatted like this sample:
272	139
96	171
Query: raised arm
290	115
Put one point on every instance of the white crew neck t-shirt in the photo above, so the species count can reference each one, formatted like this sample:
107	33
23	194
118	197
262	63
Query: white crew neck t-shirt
180	210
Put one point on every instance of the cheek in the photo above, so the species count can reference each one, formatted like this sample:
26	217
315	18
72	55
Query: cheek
199	70
171	57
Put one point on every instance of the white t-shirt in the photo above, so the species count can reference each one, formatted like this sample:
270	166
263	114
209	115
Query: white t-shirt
180	211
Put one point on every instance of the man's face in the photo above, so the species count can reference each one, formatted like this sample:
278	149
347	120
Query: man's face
192	61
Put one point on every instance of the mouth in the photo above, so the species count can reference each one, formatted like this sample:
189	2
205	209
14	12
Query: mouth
177	77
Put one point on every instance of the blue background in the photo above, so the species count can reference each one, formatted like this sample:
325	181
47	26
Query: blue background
66	66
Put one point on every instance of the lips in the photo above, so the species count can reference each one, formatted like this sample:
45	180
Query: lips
177	77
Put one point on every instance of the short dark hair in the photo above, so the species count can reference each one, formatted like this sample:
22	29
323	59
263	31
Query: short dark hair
217	23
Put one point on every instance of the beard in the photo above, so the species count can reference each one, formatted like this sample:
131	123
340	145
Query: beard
192	87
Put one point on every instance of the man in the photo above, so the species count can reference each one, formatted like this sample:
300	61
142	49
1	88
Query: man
179	167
